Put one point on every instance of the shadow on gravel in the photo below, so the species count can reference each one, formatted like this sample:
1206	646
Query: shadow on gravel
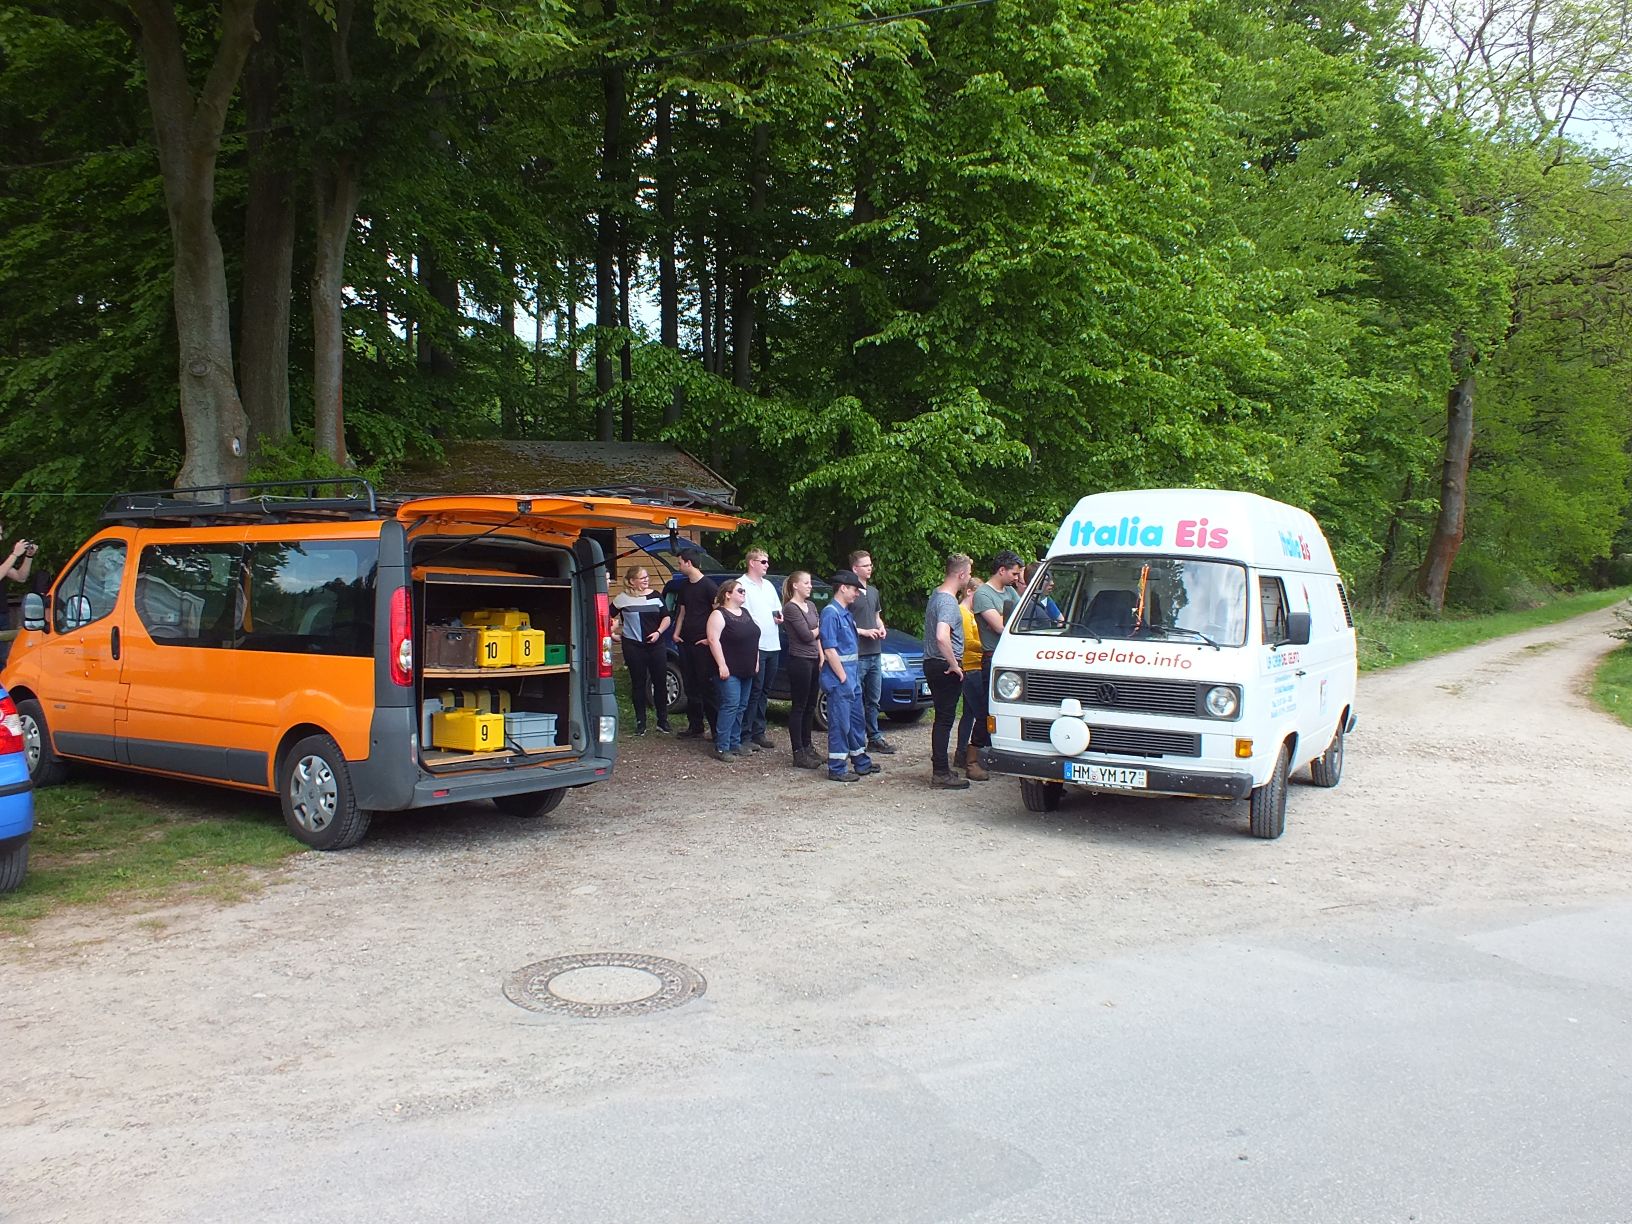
1110	820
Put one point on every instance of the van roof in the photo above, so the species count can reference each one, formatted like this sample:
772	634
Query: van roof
1216	523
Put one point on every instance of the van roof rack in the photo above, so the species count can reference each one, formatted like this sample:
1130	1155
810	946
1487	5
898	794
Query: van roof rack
656	495
269	500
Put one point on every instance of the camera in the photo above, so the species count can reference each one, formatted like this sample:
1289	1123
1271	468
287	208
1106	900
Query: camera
30	549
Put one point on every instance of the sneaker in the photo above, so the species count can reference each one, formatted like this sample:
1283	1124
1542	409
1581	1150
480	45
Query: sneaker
844	777
881	745
664	729
755	745
723	755
948	781
690	733
640	729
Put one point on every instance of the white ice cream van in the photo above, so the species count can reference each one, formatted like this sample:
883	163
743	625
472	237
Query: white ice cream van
1178	642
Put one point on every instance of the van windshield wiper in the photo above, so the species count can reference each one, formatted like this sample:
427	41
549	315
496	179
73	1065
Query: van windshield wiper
1165	630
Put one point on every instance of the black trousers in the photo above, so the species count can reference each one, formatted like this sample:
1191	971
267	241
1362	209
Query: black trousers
945	688
982	738
648	664
802	688
702	686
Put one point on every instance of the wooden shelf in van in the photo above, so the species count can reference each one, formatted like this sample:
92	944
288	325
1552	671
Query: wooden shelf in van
438	756
490	580
493	673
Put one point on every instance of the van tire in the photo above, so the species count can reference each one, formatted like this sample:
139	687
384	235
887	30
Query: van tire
1327	769
319	806
1041	796
531	805
45	767
1269	801
819	719
13	866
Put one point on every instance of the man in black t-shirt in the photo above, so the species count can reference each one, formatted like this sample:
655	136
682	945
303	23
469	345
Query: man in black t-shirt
693	602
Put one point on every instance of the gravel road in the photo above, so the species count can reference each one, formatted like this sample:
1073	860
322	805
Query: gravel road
150	1054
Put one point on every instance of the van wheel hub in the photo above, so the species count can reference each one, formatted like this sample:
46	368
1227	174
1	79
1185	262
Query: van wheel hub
313	793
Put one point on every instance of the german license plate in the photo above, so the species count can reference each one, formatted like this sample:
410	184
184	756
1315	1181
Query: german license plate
1105	775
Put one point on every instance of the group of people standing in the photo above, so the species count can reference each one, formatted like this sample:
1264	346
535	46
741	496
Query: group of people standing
730	638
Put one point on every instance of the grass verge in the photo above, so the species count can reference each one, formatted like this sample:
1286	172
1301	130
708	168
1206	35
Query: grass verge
105	839
1388	641
1612	684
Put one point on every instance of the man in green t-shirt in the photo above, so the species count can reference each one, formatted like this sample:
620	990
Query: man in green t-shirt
995	601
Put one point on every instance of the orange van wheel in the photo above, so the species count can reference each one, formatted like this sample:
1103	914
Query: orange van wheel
315	790
45	767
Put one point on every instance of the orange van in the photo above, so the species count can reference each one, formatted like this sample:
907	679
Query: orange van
273	640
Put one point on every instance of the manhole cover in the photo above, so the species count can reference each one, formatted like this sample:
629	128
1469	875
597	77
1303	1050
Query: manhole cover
598	985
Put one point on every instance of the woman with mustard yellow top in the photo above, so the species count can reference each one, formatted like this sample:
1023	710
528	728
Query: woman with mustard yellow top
972	677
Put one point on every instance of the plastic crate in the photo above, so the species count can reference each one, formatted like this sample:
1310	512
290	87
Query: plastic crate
530	731
555	655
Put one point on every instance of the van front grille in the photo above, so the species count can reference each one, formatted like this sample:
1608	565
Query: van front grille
1124	741
1140	694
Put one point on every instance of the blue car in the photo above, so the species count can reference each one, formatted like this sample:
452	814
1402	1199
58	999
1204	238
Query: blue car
904	695
16	797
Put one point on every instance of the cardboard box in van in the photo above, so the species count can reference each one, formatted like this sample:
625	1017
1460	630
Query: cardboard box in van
1178	642
295	640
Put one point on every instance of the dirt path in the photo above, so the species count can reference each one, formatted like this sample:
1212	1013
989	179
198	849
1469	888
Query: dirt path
141	1055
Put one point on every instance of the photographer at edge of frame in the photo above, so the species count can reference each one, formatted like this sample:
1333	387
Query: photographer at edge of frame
16	569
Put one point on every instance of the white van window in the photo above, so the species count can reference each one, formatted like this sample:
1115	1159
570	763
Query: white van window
1123	597
88	591
190	594
312	597
1272	601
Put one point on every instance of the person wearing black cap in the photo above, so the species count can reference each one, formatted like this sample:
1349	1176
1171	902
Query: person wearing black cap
841	681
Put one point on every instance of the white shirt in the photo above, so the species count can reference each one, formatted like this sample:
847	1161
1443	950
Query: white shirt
764	601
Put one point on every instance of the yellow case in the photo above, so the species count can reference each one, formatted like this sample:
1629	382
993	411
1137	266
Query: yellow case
483	701
467	731
498	618
527	647
494	647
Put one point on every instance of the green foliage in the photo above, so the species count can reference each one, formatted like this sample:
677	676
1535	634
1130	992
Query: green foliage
1612	684
1390	640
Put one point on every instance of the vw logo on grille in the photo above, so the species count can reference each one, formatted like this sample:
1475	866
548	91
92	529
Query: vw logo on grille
1105	694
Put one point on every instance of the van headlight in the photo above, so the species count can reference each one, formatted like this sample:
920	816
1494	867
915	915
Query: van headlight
1222	701
892	664
1008	685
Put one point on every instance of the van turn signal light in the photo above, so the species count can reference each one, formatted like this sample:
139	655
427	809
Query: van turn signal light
1243	748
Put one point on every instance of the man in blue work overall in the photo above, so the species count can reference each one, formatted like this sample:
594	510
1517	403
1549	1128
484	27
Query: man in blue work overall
841	681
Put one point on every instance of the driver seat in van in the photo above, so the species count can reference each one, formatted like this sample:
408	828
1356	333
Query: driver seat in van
1110	613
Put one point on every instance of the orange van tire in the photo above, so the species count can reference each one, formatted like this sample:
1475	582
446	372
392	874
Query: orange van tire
534	803
319	806
45	767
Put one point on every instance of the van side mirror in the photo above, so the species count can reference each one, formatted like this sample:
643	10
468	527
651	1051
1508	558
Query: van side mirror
1297	628
34	612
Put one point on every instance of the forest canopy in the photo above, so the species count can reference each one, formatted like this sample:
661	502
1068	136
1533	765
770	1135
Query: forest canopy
918	277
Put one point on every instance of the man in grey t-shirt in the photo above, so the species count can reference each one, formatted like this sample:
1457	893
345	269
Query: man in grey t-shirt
943	667
870	631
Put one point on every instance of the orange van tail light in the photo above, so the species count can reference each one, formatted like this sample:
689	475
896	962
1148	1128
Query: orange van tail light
603	629
402	639
11	727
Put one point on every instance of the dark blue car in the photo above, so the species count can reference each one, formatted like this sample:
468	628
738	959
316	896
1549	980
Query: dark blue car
904	694
16	797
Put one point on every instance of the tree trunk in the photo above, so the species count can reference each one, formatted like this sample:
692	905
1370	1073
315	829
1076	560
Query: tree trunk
444	291
571	370
1449	527
269	246
626	372
668	283
606	236
705	302
335	192
1391	541
750	270
508	425
187	133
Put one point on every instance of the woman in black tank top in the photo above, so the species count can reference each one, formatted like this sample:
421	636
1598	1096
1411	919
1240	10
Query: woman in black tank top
733	639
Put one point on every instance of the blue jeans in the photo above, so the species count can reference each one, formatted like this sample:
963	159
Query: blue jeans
734	692
870	667
770	662
846	728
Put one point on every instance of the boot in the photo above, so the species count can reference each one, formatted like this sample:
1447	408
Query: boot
948	781
972	767
806	758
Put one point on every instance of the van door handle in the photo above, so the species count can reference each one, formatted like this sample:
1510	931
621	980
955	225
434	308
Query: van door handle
116	641
1296	673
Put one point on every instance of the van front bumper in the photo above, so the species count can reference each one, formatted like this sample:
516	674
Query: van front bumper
1159	780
